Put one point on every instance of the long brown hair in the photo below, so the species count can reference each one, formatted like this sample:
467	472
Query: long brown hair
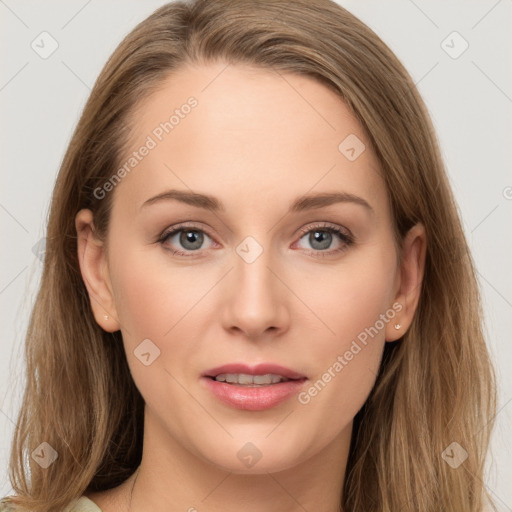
436	386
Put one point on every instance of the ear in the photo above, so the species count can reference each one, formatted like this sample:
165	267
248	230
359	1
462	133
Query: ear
94	269
408	283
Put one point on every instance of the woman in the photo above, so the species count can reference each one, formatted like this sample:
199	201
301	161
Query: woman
257	291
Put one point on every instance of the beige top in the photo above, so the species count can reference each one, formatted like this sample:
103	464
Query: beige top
84	504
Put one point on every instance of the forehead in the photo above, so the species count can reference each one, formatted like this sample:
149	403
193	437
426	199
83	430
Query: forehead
259	131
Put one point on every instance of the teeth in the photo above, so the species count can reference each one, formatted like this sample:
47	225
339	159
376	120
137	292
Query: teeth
244	379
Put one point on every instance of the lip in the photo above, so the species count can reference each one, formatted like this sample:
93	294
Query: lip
259	369
255	398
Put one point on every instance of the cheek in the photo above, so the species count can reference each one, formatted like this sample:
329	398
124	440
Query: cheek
155	302
152	294
349	297
151	299
354	302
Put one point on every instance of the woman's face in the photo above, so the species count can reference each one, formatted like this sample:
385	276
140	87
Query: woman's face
256	280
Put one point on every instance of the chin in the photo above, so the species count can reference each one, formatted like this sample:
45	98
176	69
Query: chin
254	458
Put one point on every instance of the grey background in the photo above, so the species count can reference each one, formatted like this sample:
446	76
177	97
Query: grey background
469	98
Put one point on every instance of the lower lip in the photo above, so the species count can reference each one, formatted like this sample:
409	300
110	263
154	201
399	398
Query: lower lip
253	398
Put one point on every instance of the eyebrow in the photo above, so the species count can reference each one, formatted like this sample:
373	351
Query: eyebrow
302	203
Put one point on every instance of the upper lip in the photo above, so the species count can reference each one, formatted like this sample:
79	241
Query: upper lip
259	369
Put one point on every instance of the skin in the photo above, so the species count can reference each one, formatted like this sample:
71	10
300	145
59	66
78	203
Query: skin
257	140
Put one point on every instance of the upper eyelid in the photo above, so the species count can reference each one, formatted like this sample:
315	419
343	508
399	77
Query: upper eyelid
325	225
313	225
183	227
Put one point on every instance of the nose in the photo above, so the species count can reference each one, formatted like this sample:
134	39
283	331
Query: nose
255	298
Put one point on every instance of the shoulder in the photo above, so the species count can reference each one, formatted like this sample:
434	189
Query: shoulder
83	504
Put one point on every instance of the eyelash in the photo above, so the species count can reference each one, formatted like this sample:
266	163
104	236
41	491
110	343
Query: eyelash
347	240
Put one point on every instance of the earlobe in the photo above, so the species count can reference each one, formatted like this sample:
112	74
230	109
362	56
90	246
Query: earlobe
94	270
410	279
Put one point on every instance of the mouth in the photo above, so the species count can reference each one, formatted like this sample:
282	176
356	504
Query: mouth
253	388
263	374
245	379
